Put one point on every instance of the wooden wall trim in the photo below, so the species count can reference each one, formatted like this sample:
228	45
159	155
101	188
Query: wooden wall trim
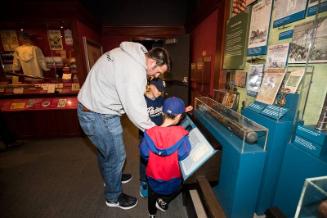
223	11
144	31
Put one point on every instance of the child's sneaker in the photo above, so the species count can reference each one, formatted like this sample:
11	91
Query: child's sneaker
144	190
161	205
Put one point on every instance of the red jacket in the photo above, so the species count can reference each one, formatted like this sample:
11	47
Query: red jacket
164	147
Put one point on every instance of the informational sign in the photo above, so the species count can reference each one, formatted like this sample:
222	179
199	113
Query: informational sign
314	7
294	79
68	37
259	28
51	88
201	150
288	11
277	56
236	42
55	39
303	36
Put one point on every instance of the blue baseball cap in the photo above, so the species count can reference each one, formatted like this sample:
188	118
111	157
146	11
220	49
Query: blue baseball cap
173	106
159	84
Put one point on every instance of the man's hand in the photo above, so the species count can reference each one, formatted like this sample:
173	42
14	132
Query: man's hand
188	108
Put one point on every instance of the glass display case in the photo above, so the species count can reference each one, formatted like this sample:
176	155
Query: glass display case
40	74
248	135
313	200
38	58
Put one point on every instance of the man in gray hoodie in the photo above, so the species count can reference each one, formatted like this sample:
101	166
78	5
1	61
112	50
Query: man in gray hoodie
114	86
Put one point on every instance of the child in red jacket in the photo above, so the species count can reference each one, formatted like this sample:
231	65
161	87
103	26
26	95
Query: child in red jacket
163	147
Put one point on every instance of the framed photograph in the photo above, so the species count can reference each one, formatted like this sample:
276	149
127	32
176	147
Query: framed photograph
55	41
238	6
254	79
239	78
294	80
277	55
92	51
229	99
303	37
271	83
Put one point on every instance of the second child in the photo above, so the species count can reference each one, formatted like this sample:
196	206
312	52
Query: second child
163	147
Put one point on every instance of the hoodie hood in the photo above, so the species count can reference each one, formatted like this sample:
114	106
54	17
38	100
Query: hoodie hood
167	139
25	53
135	51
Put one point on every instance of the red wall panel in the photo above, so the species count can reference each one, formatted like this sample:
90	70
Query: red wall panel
203	40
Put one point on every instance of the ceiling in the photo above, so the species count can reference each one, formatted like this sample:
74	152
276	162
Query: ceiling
151	12
117	12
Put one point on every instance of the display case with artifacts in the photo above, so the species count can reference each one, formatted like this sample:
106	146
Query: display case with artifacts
39	77
313	200
243	153
29	58
249	135
35	57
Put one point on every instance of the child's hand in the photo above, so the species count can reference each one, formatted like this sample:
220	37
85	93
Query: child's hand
188	108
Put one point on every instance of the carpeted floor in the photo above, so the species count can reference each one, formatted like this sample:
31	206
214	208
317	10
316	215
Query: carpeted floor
60	178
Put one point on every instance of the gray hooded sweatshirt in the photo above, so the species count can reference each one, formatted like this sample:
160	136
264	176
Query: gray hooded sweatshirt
116	84
30	58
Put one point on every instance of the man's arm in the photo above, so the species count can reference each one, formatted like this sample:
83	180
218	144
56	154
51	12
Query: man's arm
131	88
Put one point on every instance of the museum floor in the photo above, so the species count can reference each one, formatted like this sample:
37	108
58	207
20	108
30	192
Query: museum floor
60	178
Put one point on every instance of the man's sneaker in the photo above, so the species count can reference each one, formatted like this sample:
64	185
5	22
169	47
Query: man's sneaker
124	202
161	205
125	178
144	190
152	216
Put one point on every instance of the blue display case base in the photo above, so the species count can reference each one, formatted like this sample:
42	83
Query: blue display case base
240	172
298	165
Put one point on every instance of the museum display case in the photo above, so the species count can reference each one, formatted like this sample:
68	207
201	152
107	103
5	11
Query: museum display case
243	145
40	77
250	135
313	200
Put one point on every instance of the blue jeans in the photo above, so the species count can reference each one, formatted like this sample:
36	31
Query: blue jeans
106	133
